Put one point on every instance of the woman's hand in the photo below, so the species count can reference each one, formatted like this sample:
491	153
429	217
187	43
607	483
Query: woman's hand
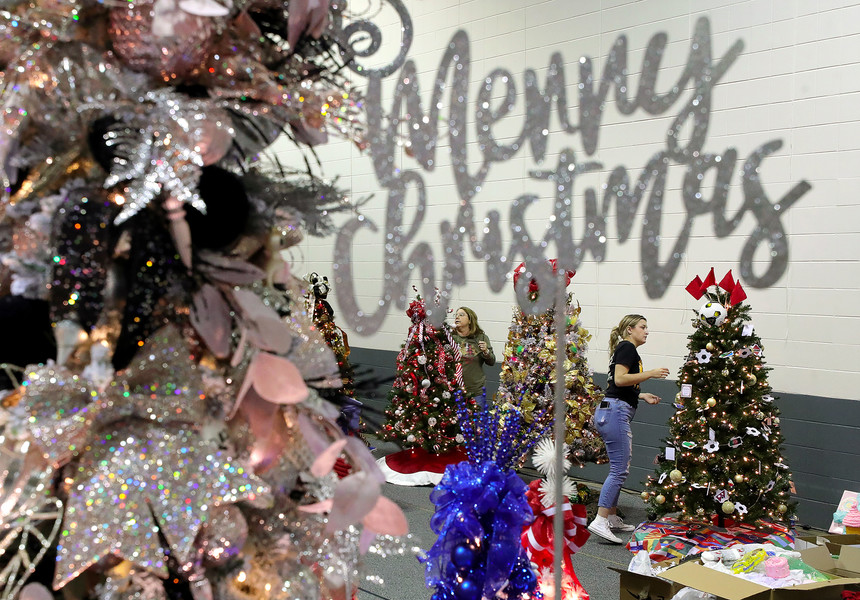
483	347
661	373
650	398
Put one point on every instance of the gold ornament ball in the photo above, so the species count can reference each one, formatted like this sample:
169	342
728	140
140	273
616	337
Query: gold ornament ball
751	379
726	373
645	495
700	511
782	508
728	507
660	499
712	402
675	475
739	478
710	347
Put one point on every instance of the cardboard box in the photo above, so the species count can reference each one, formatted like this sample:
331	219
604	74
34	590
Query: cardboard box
634	585
834	543
845	569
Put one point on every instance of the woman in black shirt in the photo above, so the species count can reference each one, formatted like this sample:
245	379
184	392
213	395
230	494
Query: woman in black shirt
612	418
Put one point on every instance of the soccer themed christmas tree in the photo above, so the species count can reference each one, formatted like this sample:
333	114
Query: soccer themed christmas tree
177	447
722	455
422	402
528	374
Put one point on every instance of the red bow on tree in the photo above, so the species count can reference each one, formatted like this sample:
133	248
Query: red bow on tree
697	287
537	538
533	286
416	311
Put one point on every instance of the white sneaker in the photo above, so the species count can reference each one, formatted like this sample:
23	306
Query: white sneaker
618	524
600	526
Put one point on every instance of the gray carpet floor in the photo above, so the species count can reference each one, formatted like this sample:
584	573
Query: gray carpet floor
402	577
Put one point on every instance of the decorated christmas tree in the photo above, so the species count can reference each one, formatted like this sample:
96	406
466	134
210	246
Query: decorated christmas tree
528	376
177	447
422	402
338	341
723	455
481	510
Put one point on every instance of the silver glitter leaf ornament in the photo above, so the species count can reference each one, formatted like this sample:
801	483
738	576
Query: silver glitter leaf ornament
136	480
162	384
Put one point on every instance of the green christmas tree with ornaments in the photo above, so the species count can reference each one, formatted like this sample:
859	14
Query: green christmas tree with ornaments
722	455
528	378
421	409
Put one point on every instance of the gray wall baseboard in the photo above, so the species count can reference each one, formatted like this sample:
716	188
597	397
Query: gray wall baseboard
822	438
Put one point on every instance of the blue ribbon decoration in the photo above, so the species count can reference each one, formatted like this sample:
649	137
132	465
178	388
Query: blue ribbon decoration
484	507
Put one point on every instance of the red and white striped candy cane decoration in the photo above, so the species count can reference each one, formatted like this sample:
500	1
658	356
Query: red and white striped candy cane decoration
455	352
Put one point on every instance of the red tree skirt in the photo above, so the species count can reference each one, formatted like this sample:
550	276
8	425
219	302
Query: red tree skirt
417	466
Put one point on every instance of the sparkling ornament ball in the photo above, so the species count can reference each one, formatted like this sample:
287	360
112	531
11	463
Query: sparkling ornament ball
726	373
425	383
660	499
645	495
713	313
422	360
467	590
410	438
728	507
158	38
782	508
675	475
700	511
712	402
760	416
739	478
463	557
710	347
431	421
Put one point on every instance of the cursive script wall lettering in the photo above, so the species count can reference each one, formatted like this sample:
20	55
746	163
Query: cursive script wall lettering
631	195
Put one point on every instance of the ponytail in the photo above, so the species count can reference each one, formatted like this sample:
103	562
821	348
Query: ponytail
620	330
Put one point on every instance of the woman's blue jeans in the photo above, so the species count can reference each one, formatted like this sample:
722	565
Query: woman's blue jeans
612	421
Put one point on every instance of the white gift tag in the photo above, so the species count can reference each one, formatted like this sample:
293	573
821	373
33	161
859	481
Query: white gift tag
686	390
748	330
670	453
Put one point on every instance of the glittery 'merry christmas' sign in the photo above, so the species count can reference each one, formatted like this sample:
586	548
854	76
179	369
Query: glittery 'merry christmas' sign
631	194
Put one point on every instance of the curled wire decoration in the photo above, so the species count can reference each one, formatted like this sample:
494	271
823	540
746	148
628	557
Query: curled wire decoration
361	30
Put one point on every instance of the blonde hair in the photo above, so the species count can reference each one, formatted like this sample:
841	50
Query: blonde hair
474	328
620	330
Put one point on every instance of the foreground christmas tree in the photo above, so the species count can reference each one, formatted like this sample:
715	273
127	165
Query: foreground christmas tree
422	409
723	451
528	375
177	448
